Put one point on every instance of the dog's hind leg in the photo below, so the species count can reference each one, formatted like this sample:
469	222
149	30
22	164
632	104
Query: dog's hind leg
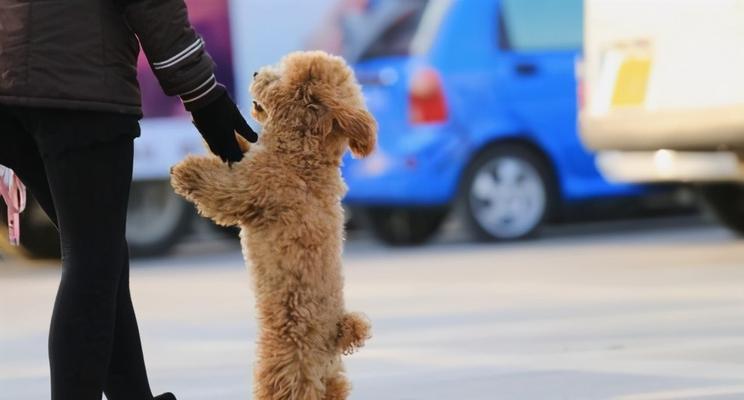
353	330
287	371
273	383
337	387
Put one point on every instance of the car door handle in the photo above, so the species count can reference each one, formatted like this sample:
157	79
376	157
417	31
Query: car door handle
526	69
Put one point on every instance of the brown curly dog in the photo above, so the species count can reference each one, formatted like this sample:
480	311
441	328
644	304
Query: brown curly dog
286	196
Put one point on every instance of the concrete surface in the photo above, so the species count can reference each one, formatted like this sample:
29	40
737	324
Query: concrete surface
629	311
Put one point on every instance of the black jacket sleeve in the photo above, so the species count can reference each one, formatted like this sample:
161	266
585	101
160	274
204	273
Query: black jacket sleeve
174	50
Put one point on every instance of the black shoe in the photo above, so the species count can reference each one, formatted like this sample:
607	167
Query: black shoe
166	396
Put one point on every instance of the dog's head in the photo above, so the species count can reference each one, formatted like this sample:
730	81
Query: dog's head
311	102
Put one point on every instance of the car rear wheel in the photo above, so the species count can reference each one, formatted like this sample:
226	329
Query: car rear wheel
157	219
404	226
507	193
726	203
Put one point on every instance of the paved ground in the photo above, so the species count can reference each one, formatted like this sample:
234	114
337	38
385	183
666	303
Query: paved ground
619	311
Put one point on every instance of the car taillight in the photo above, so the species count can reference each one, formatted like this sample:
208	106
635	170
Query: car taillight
580	83
426	98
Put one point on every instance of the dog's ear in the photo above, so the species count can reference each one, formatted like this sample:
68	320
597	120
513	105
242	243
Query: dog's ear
358	125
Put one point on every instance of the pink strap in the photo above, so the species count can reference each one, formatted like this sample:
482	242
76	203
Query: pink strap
13	192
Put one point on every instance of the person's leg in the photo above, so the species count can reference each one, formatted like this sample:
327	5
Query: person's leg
90	333
127	376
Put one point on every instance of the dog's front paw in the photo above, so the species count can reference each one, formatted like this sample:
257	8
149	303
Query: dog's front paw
186	177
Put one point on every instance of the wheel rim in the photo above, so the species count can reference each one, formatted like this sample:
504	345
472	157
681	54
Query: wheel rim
507	197
154	212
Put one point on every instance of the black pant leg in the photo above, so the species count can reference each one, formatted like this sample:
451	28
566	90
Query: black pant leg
90	189
127	377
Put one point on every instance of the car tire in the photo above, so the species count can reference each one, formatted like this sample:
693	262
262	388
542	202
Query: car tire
726	203
157	219
404	226
507	193
39	237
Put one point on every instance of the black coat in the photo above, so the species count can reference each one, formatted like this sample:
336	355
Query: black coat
82	54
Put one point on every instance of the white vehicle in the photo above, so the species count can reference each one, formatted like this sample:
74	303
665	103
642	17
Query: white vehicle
663	95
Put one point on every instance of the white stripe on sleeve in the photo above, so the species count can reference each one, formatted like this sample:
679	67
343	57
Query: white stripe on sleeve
180	56
214	85
198	87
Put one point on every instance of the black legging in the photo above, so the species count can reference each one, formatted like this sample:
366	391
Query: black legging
94	344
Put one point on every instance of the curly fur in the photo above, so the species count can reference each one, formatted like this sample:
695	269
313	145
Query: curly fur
285	195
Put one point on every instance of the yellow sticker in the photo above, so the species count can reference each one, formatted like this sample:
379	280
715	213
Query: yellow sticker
632	82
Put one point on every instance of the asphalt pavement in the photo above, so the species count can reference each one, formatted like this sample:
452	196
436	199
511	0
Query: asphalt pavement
625	311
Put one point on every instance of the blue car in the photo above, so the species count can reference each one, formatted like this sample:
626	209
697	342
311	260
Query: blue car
476	102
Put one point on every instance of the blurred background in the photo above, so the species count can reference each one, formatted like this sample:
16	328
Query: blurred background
553	211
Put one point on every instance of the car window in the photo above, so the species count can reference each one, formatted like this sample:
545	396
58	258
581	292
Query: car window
396	38
542	24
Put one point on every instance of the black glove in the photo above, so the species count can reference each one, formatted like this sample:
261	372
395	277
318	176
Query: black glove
217	122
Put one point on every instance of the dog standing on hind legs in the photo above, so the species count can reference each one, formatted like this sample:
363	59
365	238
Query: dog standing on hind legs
286	197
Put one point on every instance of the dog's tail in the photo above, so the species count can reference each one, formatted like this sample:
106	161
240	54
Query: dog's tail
353	330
